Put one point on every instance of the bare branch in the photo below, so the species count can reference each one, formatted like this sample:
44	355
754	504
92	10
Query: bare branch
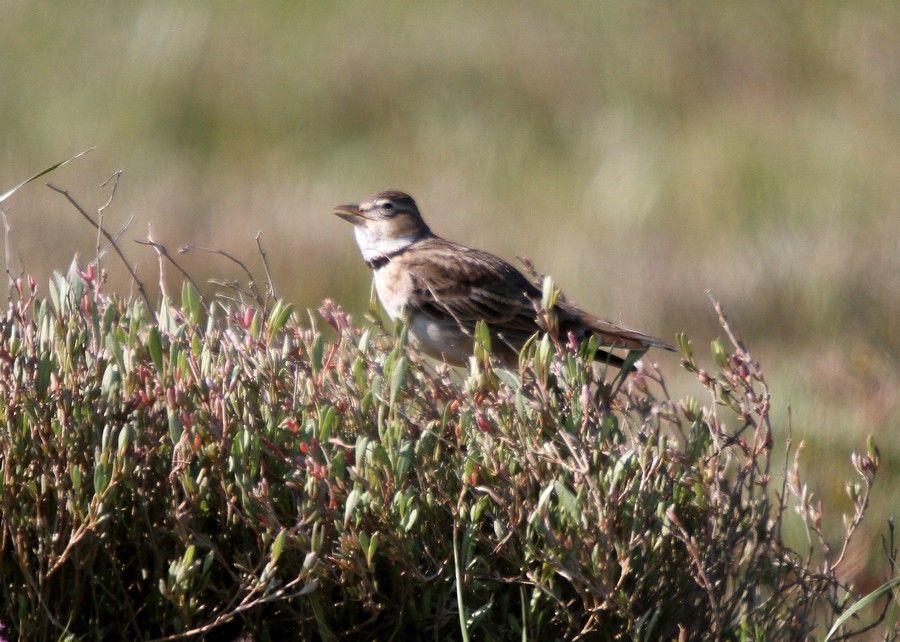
723	321
163	251
159	258
100	210
265	261
118	235
7	252
233	285
109	238
252	282
536	277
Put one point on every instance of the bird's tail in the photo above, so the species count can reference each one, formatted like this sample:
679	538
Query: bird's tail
611	334
616	336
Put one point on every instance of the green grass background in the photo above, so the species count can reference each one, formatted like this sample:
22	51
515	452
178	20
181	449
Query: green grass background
639	152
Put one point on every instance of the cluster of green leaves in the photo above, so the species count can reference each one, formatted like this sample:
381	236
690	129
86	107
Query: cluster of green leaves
215	469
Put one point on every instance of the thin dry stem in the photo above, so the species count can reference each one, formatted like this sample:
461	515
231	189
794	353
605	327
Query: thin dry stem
102	209
109	238
254	290
265	262
163	251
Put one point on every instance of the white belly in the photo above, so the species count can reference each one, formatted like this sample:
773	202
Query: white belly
392	293
441	339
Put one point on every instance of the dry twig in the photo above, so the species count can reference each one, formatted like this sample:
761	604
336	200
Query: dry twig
108	237
254	290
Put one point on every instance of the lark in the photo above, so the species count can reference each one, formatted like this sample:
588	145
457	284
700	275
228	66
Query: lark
442	289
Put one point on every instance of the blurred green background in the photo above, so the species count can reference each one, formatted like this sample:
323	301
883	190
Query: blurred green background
642	153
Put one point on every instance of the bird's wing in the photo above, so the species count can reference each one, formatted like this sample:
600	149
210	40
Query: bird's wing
454	283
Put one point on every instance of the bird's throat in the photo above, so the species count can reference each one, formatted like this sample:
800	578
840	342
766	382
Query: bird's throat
378	251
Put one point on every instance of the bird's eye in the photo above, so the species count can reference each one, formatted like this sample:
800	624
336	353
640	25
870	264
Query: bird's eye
387	206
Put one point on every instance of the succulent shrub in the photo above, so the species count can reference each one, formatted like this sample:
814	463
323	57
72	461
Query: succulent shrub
218	468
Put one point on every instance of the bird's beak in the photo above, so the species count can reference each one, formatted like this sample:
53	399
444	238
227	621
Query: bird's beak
349	213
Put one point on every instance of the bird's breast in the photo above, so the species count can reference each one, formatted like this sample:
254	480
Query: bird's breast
394	287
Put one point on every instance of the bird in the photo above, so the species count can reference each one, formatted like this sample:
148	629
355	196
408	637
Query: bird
442	289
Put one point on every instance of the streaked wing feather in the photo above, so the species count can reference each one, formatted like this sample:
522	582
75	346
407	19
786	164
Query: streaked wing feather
469	286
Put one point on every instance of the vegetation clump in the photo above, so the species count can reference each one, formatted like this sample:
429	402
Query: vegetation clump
217	469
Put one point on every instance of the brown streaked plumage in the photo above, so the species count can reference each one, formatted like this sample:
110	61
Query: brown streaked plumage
442	289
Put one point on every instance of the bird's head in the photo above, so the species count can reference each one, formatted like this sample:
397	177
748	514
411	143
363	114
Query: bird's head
385	223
